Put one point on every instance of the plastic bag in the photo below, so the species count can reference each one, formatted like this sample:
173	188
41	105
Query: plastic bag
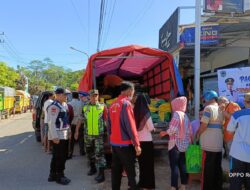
194	159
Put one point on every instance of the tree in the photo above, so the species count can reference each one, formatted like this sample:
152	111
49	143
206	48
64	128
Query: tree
42	75
8	76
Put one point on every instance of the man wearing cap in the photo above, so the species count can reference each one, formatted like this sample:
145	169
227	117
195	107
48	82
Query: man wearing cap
211	139
240	148
230	93
59	133
94	117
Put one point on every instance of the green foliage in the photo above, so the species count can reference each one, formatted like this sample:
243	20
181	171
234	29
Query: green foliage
8	75
42	75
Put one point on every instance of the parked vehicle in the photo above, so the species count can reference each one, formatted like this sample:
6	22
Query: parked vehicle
22	101
152	69
7	99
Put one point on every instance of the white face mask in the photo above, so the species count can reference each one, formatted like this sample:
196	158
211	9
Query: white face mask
130	98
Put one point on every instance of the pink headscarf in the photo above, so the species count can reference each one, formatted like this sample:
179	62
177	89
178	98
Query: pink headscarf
179	106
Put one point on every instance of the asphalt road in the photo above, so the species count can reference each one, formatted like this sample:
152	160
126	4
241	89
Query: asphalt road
24	165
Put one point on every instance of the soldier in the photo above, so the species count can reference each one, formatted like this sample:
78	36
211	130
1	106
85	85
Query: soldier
230	93
94	116
59	133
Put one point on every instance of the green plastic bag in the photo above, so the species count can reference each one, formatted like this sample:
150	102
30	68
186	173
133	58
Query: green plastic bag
194	159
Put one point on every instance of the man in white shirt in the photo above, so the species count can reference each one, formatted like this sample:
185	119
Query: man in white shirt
77	108
47	103
240	148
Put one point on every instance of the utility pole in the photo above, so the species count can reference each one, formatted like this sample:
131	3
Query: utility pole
100	25
197	57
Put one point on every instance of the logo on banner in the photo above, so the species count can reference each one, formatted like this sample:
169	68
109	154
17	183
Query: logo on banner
223	73
165	39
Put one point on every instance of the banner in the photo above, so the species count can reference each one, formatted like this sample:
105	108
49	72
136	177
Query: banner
234	83
224	6
168	34
209	36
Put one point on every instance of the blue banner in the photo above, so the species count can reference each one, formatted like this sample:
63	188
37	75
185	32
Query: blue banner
209	36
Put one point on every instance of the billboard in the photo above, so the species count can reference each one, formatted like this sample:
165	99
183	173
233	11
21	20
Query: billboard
168	34
209	36
234	83
224	6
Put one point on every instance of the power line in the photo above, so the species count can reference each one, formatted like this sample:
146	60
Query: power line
78	15
133	25
11	50
109	24
105	18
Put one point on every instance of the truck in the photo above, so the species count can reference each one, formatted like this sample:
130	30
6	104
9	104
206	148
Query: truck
150	68
7	99
22	101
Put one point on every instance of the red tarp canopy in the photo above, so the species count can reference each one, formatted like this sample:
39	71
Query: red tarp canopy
127	61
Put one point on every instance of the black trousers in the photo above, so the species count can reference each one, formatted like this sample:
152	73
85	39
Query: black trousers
212	172
59	157
146	166
80	140
123	157
239	174
177	164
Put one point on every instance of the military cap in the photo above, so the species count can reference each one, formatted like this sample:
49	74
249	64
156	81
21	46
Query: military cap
93	91
229	81
83	94
247	97
60	91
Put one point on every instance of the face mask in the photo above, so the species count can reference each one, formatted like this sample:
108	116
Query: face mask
130	98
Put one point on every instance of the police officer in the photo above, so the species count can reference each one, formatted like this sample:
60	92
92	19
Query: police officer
230	93
59	133
94	116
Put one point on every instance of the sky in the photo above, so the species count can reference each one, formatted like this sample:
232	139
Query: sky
36	29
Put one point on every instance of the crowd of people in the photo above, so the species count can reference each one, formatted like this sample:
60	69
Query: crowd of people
129	126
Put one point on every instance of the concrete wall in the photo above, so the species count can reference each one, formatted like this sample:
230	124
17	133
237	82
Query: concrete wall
224	57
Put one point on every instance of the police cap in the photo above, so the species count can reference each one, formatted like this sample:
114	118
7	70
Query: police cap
93	91
60	91
229	81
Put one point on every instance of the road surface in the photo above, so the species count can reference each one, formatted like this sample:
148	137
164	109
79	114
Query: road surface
24	165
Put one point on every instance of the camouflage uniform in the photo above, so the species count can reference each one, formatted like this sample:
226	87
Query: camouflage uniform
93	117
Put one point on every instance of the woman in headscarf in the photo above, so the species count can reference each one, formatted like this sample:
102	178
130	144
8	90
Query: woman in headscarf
145	126
180	135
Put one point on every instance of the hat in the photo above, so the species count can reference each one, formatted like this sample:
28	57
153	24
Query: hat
60	91
93	91
84	94
229	81
247	97
209	95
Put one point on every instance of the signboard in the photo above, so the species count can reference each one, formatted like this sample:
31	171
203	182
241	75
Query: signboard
224	6
168	34
209	36
234	83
